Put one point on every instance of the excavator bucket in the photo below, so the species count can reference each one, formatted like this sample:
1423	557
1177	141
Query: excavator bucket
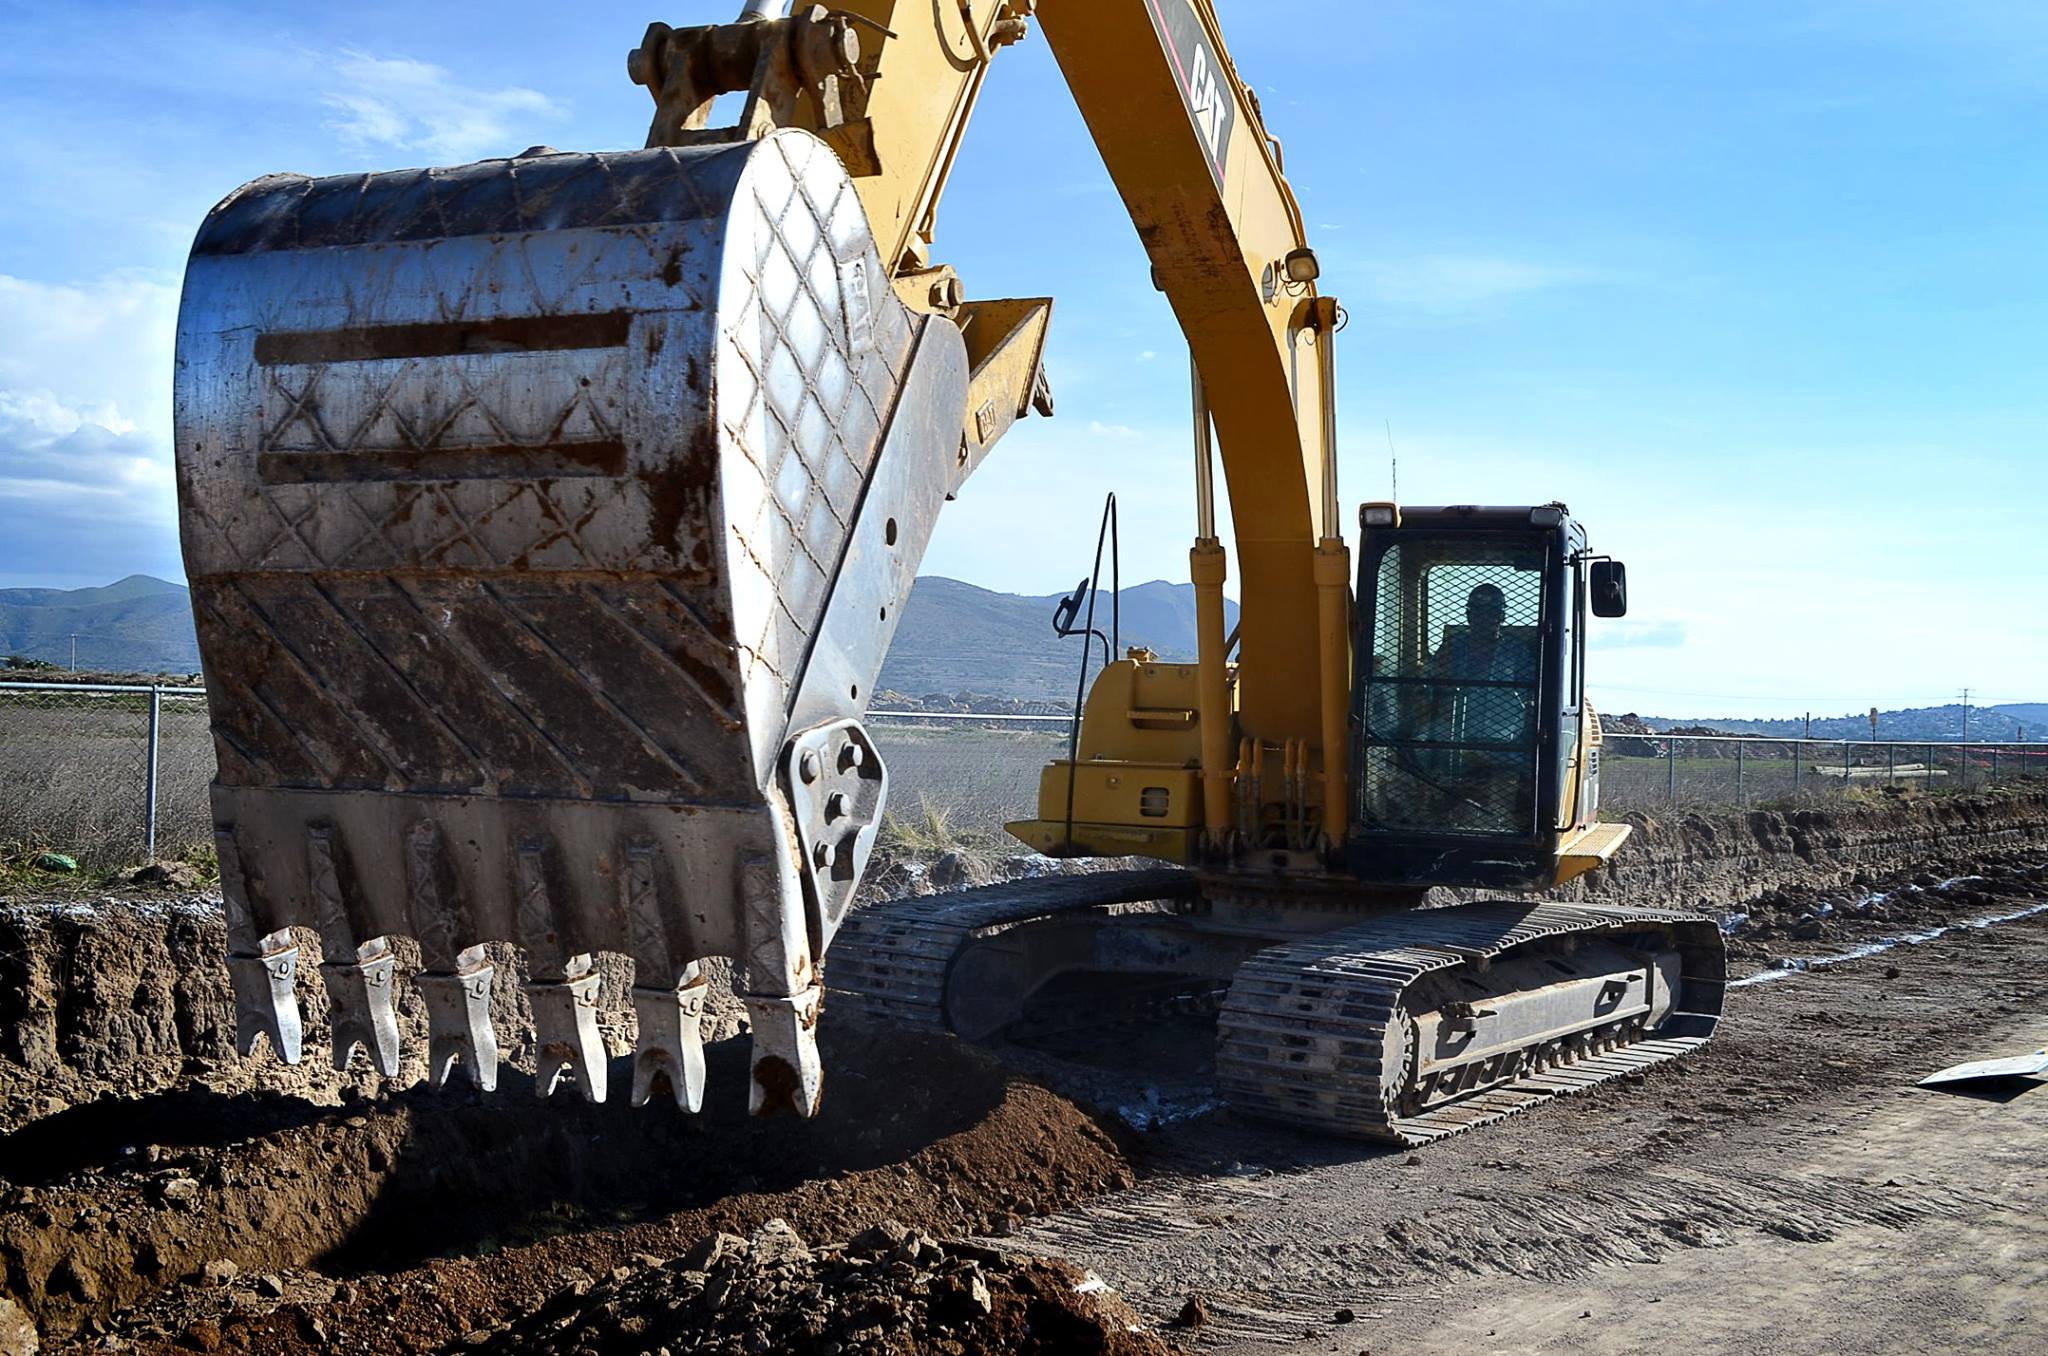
547	520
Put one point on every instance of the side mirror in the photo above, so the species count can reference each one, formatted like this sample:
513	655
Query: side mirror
1068	608
1610	588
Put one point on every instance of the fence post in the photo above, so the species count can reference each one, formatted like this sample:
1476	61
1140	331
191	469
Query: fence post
1994	763
1798	770
156	715
1964	750
1845	767
1670	769
1741	796
1891	765
1930	767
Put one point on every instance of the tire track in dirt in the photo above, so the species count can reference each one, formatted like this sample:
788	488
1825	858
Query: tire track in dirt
1275	1232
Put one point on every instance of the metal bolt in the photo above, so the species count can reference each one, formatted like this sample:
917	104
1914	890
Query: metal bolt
824	854
808	766
850	757
835	805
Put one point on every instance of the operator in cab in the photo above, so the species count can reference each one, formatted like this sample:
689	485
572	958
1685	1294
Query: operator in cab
1483	651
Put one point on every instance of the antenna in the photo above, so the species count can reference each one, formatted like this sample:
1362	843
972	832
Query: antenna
1393	466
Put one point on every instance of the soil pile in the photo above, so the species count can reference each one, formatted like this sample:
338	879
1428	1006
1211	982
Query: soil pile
1717	863
1873	904
456	1211
890	1290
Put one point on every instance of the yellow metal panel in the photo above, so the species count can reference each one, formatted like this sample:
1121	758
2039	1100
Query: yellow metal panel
1104	840
1590	847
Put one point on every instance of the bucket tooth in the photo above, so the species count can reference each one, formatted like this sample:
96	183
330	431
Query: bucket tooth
262	971
459	1029
359	990
360	1007
265	1001
788	1075
671	1043
565	1028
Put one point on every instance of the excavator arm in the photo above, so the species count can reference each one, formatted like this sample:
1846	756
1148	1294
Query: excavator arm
1185	142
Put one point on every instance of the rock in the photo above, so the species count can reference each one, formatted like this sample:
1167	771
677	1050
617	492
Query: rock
220	1270
1345	1316
713	1250
203	1335
17	1334
270	1285
877	1241
776	1244
166	876
66	1279
1195	1313
948	871
180	1190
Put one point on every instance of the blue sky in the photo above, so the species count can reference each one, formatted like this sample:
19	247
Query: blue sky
1759	289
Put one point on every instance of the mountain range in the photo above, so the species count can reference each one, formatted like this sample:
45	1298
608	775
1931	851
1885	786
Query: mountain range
954	639
136	625
2009	723
957	638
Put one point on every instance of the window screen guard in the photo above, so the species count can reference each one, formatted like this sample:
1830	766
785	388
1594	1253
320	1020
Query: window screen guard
1452	656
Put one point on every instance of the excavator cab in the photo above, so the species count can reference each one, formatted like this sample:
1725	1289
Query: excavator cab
1469	721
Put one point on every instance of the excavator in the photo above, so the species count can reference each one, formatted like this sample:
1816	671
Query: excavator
548	519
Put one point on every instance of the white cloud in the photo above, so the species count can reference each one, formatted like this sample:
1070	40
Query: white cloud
414	105
1456	284
1121	433
86	486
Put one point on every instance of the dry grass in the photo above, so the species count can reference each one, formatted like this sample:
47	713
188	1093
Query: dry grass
73	776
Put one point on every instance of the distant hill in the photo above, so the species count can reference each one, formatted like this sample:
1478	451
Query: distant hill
958	638
1939	724
954	637
138	625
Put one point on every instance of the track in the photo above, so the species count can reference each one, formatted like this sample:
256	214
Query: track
1313	1033
889	961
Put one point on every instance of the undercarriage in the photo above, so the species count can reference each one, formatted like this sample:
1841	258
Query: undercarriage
1372	1018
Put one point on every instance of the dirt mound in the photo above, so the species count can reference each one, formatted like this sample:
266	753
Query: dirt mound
1718	862
1875	904
487	1199
890	1290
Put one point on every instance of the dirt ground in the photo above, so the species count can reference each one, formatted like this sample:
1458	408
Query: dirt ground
1784	1190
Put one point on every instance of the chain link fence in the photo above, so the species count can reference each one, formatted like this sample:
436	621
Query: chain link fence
110	774
982	770
1767	772
117	774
